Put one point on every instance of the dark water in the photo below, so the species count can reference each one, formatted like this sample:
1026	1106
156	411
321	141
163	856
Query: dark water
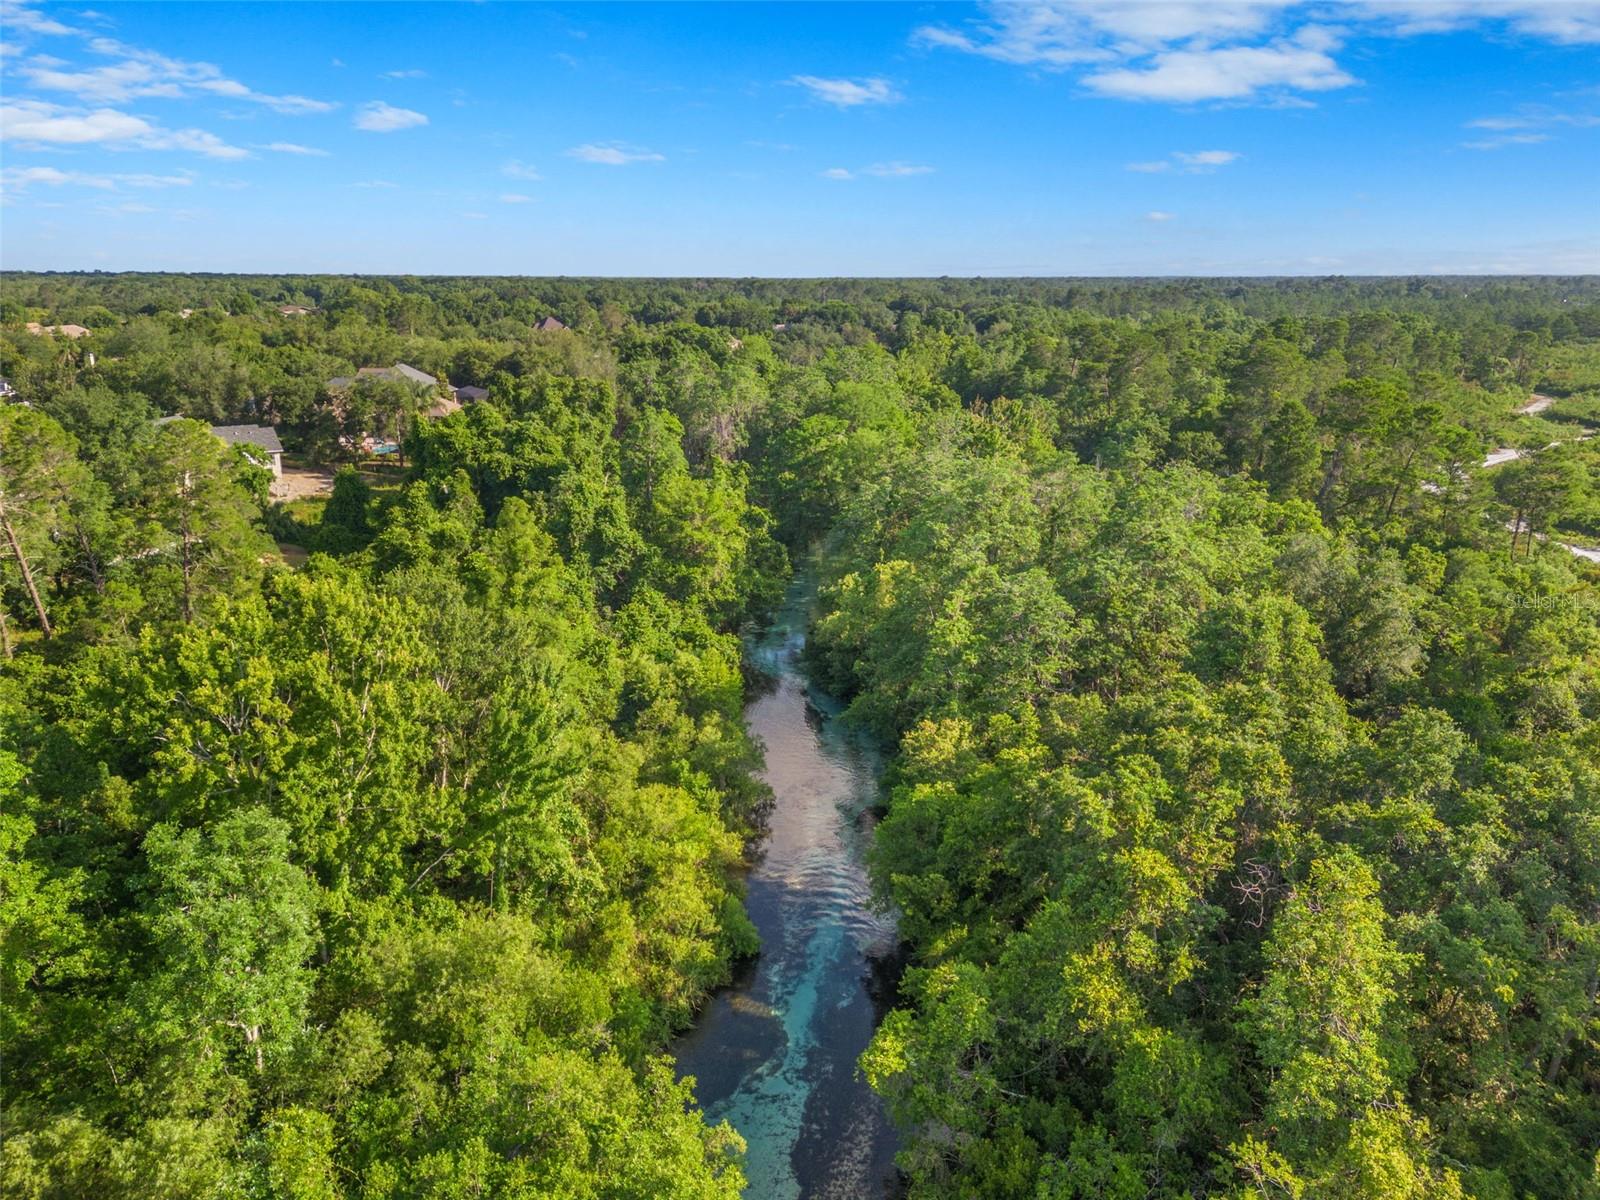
774	1053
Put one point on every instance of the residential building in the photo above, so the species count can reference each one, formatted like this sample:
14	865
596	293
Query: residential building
260	442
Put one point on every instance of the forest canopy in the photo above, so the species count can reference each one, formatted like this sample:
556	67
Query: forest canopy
1236	644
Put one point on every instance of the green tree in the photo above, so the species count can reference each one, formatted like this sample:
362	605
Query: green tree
202	519
39	473
231	925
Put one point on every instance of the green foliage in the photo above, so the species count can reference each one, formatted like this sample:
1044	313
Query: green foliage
1179	798
1242	819
229	921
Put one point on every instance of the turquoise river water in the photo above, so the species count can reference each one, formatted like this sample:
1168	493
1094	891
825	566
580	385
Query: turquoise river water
774	1053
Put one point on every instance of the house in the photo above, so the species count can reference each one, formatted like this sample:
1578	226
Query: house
439	399
7	390
265	448
260	441
399	373
70	331
549	325
185	313
295	310
470	394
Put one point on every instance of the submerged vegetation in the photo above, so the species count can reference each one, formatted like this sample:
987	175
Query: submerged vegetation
1243	816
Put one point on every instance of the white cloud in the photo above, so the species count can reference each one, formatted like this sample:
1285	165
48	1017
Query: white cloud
1506	139
1190	162
1062	33
124	81
1528	126
1171	50
145	180
1206	158
1499	123
1233	73
515	169
848	93
196	140
375	183
295	148
613	154
515	198
1569	22
377	117
19	179
410	73
883	170
19	17
141	73
1187	51
38	122
1535	116
1158	216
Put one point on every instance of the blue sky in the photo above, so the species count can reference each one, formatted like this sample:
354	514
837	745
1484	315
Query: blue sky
1069	137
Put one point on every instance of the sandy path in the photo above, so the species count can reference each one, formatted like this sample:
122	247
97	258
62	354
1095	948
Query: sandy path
301	483
1506	454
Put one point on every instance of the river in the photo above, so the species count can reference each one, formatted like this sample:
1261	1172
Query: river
774	1053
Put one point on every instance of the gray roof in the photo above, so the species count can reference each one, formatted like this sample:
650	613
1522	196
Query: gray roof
264	437
400	373
414	375
472	393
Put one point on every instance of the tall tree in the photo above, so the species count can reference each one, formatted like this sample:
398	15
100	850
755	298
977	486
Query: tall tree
39	474
202	517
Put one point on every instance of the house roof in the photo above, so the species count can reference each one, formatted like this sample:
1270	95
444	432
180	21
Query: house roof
472	393
71	331
400	372
264	437
549	325
293	310
414	375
